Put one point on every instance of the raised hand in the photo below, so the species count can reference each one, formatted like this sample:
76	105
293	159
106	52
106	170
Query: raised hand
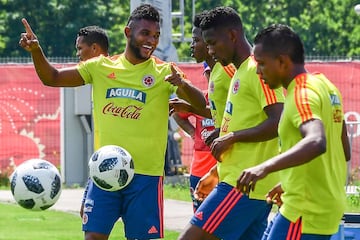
175	78
28	40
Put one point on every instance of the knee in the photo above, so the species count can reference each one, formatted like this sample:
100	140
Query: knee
95	236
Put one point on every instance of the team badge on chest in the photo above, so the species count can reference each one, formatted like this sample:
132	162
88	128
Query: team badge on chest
236	86
148	80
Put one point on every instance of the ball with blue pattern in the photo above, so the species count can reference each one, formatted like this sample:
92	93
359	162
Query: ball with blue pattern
111	168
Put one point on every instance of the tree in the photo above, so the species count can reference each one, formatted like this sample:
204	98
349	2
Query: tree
327	27
56	23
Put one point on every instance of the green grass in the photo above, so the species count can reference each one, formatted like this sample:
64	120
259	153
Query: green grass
177	192
18	223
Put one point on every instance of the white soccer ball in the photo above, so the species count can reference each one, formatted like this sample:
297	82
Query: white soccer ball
36	184
111	168
357	9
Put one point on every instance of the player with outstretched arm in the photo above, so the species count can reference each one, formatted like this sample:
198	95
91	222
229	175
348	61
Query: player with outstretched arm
130	106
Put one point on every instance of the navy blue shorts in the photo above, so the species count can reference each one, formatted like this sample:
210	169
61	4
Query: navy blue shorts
140	206
229	214
282	229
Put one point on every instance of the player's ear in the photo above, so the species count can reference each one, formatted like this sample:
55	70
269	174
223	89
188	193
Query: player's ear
95	48
127	31
284	61
233	35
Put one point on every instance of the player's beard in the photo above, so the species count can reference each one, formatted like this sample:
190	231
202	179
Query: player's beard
136	50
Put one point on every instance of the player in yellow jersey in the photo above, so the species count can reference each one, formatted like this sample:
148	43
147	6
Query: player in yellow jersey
202	160
130	108
247	137
91	41
313	141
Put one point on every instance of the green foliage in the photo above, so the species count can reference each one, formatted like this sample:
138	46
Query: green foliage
56	23
353	201
327	27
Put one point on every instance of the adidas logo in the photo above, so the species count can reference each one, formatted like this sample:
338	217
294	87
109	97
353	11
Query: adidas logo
199	215
111	75
153	230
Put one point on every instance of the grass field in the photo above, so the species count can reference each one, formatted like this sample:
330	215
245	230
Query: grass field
18	223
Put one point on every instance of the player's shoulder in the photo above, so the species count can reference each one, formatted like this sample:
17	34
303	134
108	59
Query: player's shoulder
159	62
160	65
229	69
115	57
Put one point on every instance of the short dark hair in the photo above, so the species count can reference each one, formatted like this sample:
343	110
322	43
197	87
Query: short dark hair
94	34
198	17
221	17
280	39
145	11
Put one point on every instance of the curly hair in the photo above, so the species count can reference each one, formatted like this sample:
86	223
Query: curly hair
198	17
221	17
144	11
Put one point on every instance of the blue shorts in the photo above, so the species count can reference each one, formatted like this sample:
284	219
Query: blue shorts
282	229
193	182
140	205
229	214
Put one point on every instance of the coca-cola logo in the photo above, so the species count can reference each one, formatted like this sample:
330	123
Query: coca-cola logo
130	111
225	125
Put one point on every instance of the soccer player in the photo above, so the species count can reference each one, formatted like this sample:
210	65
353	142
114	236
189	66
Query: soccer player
218	79
313	141
91	41
202	160
248	136
130	105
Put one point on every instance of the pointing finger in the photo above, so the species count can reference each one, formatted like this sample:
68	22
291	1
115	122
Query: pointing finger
173	70
28	29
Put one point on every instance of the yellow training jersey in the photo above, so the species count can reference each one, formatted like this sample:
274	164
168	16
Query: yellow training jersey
314	191
247	98
130	107
219	81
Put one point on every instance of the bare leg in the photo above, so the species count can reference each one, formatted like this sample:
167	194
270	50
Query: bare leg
192	232
95	236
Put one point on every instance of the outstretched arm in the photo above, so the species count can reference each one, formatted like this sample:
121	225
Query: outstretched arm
264	131
180	105
185	124
186	90
312	145
48	74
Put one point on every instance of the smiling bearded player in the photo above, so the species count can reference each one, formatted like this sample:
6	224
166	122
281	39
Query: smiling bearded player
136	122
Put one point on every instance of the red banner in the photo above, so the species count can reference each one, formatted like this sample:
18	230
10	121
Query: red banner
29	117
